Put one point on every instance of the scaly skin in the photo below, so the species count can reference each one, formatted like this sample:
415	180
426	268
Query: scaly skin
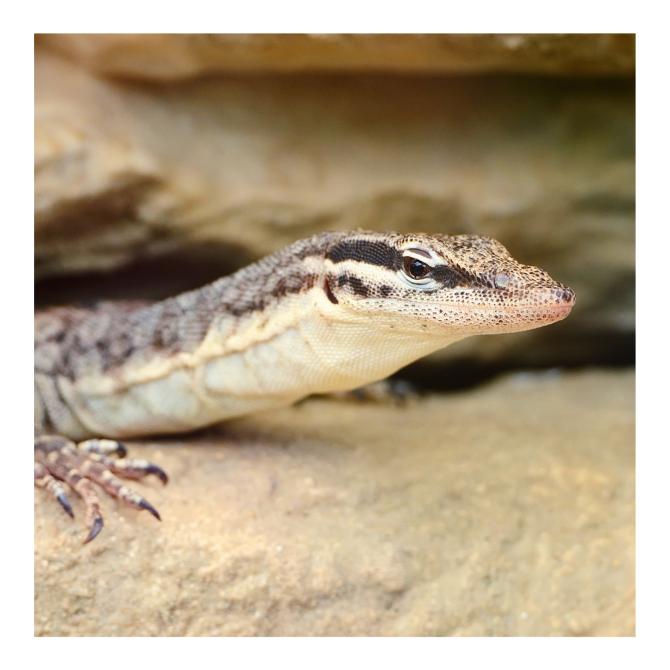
329	313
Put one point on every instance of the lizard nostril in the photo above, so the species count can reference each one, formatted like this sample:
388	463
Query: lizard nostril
501	280
568	295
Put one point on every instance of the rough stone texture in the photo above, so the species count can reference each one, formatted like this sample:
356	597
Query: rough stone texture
508	510
227	169
166	57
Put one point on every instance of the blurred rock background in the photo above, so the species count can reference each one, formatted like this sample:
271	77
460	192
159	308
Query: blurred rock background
164	161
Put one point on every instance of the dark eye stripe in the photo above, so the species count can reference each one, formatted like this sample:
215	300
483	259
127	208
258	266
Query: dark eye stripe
367	251
447	276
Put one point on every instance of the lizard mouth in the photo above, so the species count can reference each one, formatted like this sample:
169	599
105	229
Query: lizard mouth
556	311
560	309
512	318
557	301
512	315
553	312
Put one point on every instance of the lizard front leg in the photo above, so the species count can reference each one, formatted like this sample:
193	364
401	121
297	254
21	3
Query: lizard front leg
61	464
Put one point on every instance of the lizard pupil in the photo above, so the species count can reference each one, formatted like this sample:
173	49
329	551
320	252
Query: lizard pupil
415	268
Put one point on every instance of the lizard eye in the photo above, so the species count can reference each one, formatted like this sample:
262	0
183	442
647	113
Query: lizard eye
414	268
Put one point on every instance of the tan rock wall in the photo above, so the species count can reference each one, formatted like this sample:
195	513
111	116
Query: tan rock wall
240	165
175	56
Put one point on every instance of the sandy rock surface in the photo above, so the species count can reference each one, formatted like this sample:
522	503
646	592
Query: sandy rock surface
506	510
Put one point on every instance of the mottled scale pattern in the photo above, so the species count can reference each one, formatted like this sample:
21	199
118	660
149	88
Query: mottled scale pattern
72	341
475	285
360	271
329	313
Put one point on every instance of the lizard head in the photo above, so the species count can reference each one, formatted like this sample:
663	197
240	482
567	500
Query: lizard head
462	284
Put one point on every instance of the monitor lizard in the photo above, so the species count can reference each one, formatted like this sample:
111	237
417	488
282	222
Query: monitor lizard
328	313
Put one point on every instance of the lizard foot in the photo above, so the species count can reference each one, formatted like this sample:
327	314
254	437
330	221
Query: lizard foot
393	391
60	464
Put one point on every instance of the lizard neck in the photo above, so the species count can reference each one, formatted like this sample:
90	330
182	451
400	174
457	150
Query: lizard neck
305	344
270	338
289	339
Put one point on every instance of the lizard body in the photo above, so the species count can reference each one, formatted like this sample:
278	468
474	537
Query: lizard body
329	313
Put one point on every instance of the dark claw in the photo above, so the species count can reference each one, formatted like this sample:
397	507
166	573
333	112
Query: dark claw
150	508
65	504
121	450
402	391
95	529
159	472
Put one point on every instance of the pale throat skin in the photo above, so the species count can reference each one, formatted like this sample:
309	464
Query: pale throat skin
333	312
